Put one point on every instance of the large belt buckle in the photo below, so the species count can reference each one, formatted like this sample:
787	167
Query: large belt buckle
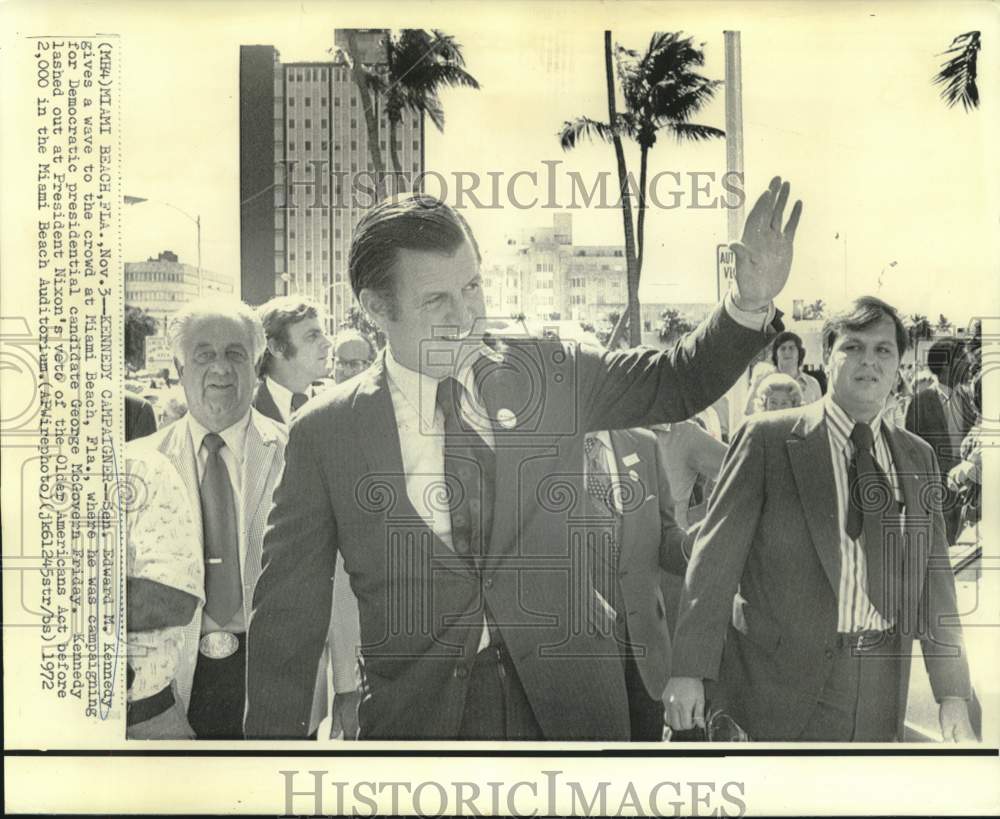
217	645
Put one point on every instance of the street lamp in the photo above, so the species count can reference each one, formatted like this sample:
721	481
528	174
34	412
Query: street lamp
138	200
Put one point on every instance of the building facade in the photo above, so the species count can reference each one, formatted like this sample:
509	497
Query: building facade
161	287
306	172
541	273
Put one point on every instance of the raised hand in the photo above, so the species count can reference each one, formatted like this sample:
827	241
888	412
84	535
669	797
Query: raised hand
764	256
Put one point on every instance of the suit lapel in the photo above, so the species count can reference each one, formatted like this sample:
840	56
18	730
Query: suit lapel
260	451
623	443
812	466
907	468
265	404
375	427
498	391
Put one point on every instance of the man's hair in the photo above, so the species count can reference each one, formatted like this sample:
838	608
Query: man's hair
352	335
945	358
277	316
411	222
861	314
215	307
781	338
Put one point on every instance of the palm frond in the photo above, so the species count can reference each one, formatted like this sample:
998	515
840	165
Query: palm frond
693	132
584	128
958	74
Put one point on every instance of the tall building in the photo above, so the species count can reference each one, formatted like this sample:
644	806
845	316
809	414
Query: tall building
161	287
306	172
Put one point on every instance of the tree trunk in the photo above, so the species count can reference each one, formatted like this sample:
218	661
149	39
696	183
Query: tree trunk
631	316
399	181
368	103
640	233
393	117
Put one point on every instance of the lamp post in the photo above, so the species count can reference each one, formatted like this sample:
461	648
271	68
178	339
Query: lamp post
138	200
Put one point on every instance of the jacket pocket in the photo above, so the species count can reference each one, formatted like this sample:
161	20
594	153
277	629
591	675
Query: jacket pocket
755	626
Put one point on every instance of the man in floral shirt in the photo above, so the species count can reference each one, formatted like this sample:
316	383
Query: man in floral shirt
165	586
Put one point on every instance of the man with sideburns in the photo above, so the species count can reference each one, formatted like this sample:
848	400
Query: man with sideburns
436	474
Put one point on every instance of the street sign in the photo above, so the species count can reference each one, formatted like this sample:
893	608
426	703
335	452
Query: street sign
725	267
158	354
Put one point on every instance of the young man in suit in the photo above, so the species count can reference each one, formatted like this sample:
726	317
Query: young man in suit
821	558
297	354
229	457
432	474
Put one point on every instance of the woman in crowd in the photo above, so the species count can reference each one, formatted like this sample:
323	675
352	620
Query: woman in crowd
777	391
787	354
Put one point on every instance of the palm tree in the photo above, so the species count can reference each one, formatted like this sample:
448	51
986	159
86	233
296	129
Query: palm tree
919	328
138	325
673	324
662	90
418	64
958	72
815	310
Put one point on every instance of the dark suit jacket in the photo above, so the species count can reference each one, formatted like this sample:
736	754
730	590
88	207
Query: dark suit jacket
140	420
264	403
925	416
650	541
770	538
421	606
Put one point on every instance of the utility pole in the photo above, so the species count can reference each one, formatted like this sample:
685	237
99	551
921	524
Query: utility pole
737	395
734	126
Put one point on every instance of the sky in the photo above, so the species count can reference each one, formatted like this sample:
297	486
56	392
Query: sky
836	98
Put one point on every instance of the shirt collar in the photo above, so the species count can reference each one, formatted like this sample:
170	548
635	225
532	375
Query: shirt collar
282	396
421	390
234	435
840	424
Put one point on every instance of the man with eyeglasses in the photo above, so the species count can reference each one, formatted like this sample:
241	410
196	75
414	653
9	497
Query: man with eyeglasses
352	354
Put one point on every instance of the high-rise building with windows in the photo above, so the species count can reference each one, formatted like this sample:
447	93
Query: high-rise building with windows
306	172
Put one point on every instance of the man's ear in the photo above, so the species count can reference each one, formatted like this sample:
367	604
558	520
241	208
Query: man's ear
179	367
375	305
274	349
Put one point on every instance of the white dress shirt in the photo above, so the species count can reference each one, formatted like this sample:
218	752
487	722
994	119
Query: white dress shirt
234	457
855	611
421	441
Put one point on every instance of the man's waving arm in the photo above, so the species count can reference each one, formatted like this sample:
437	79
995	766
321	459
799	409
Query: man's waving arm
643	387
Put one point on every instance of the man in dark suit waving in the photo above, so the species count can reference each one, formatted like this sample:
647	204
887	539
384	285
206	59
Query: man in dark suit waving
822	556
436	475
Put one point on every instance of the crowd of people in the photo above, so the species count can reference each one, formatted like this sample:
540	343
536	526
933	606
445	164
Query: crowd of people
471	537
